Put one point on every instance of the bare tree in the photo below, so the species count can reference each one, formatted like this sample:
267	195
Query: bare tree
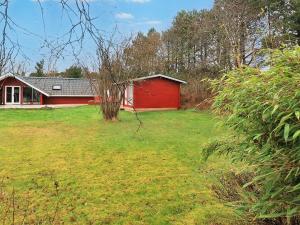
9	48
112	76
81	26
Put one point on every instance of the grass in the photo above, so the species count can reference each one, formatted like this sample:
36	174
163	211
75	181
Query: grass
69	165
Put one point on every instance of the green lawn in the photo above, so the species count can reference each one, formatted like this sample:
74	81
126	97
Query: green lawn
69	165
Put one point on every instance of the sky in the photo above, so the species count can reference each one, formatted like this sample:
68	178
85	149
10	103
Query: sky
129	16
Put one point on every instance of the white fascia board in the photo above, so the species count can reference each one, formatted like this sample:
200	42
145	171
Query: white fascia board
160	75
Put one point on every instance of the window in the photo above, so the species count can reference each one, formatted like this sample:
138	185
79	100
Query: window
8	94
30	96
56	87
27	94
16	94
12	95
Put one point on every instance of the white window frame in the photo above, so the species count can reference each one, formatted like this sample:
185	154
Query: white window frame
12	95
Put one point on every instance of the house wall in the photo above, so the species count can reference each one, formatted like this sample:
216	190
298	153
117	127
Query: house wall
11	82
156	93
67	100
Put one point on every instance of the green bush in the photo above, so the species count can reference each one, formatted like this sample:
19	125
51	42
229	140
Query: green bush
263	108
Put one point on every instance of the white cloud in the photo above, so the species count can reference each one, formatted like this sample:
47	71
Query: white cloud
124	16
139	1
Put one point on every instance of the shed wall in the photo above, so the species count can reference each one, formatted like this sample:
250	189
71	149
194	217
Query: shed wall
156	93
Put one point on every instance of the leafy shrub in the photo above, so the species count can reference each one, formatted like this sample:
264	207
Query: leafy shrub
263	108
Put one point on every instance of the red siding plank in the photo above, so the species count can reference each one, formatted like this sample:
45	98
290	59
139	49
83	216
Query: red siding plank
67	100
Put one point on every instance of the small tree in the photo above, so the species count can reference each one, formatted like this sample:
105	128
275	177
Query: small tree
39	69
112	78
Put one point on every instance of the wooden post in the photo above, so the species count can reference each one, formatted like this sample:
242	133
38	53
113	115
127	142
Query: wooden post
21	95
41	99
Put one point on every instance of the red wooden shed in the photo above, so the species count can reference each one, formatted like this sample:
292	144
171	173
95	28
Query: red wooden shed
156	92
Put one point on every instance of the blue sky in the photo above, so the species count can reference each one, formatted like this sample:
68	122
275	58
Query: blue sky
130	16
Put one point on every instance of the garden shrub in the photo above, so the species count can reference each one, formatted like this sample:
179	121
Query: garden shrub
263	109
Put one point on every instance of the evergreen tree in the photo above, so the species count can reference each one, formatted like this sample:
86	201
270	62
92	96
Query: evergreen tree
39	69
73	72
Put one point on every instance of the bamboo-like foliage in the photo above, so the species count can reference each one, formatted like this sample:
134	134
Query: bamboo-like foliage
263	108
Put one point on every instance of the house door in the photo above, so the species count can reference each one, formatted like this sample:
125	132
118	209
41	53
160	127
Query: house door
12	95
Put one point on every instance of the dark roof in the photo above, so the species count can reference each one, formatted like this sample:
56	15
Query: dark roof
69	86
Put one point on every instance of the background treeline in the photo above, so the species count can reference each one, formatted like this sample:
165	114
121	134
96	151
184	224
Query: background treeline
71	72
207	43
210	41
